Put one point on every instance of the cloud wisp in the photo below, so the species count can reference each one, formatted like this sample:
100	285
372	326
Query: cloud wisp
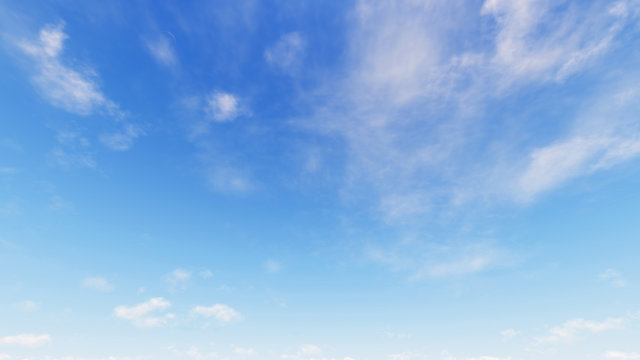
26	340
98	283
63	86
75	89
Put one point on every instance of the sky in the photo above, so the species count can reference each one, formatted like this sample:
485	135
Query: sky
320	180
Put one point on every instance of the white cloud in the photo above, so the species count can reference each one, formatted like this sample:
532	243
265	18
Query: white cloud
122	140
162	49
273	266
144	314
412	106
222	107
98	283
70	89
74	89
430	260
613	277
26	340
287	53
220	312
604	136
571	329
178	279
555	164
621	355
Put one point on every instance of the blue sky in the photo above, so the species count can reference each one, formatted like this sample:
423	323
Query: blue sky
299	180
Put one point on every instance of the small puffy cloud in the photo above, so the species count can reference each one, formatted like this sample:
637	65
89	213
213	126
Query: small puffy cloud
146	314
162	49
287	52
273	266
571	329
613	277
27	306
178	278
26	340
220	312
98	283
222	107
618	355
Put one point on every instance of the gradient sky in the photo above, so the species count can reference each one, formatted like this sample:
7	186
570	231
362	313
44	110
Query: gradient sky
320	180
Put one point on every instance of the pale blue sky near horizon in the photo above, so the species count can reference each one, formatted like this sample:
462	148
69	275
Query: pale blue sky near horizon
338	180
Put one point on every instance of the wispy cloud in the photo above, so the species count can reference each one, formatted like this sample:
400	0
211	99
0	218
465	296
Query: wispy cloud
26	340
98	284
509	334
273	266
619	355
146	314
613	277
244	351
223	313
73	150
74	90
27	306
569	331
412	108
601	138
228	179
287	53
425	260
206	274
162	49
122	140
